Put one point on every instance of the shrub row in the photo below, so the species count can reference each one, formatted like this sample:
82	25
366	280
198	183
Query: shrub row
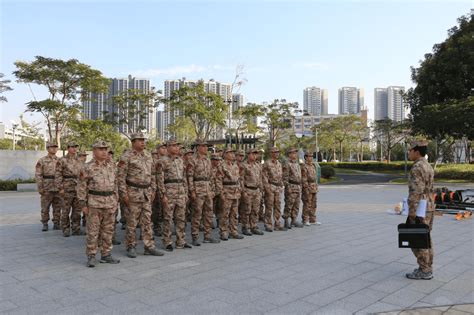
8	185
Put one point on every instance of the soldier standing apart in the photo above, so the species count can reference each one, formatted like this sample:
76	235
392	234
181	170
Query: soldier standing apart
45	172
420	187
201	188
137	188
251	176
157	214
310	189
292	180
217	184
273	183
171	179
67	174
230	196
98	196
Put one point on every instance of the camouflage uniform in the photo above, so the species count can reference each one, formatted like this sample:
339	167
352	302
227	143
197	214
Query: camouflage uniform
273	184
230	196
310	189
251	176
97	190
157	209
171	180
136	182
292	180
420	186
239	160
201	185
217	184
45	172
67	174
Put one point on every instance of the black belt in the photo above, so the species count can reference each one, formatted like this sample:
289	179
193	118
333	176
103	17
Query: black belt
229	183
201	179
48	176
101	193
171	181
294	182
129	183
310	180
250	187
69	176
276	184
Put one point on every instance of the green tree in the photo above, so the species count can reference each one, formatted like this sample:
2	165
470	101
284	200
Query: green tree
31	136
131	109
68	83
6	144
389	133
442	103
86	132
204	110
276	119
183	129
4	87
245	119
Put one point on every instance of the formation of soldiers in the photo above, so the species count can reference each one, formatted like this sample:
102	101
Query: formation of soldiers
160	192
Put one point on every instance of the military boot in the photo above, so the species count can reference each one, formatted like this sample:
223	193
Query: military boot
45	227
66	233
116	242
256	231
91	261
236	236
153	252
246	231
196	242
287	225
109	260
211	240
132	252
56	226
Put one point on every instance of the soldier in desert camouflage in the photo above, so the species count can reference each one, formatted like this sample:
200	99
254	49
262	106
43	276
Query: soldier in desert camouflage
98	196
45	172
420	187
137	188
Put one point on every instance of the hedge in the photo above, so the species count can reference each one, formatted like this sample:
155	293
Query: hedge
443	171
369	166
327	171
11	184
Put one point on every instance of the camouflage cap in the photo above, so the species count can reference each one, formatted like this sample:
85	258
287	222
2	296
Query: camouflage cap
100	144
51	144
201	142
309	153
154	151
274	149
215	157
188	150
219	150
172	141
82	153
137	135
161	145
228	149
291	149
72	144
240	153
419	143
252	150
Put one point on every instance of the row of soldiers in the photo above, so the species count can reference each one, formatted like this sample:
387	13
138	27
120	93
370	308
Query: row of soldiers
156	190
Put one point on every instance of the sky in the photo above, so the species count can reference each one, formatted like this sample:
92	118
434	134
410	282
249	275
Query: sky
284	46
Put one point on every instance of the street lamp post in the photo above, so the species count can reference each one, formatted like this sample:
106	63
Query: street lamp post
14	127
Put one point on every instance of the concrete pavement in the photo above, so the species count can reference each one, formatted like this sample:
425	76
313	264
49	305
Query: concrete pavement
350	264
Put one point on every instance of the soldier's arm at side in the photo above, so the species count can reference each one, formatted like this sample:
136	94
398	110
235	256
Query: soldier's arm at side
189	173
286	174
82	189
58	176
304	177
39	176
121	177
416	188
160	180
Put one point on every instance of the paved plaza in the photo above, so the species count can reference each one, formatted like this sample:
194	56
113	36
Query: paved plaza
350	264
